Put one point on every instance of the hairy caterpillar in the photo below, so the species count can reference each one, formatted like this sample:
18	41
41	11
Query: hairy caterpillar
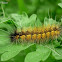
32	30
37	34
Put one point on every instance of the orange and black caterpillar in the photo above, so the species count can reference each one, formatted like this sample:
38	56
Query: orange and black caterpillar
36	34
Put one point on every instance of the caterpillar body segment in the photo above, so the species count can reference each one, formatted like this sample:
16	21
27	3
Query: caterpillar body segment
37	33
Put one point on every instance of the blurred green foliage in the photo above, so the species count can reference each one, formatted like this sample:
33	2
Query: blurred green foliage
43	8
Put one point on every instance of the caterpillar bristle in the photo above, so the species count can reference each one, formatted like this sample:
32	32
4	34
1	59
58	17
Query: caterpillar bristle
38	34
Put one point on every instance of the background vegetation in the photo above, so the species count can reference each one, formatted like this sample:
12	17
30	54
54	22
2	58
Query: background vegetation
40	7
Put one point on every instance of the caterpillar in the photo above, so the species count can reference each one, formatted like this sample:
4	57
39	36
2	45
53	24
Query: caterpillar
32	30
36	34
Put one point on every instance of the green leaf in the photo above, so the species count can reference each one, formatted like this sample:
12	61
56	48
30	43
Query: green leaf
12	50
60	4
32	19
56	43
45	21
23	20
42	53
38	23
3	19
49	21
56	52
4	40
3	33
60	38
5	48
4	37
7	27
50	59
